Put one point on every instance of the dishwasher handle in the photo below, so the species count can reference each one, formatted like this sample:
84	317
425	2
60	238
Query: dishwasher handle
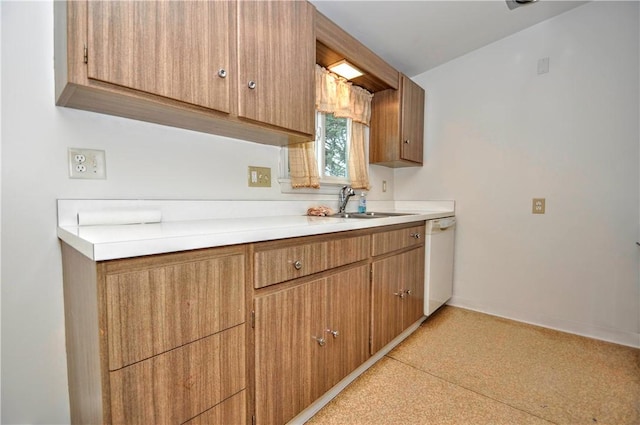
446	223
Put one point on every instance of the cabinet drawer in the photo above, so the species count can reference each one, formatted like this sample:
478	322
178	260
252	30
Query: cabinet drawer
281	264
231	411
155	309
393	240
176	386
348	250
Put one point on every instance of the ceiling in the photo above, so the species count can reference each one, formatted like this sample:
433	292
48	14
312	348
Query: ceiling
415	36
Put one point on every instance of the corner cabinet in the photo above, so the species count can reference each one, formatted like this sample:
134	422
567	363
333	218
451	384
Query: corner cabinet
156	340
397	126
238	69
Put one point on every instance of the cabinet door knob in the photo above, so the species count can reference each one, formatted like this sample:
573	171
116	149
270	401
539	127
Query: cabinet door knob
251	85
321	341
297	264
222	73
408	292
415	235
399	294
406	142
334	333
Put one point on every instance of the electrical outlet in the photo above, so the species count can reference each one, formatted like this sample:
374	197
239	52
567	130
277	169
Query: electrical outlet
87	164
538	206
384	185
259	176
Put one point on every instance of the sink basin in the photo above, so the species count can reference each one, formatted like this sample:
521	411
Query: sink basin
368	215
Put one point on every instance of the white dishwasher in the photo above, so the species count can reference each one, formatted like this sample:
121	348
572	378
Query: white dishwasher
438	279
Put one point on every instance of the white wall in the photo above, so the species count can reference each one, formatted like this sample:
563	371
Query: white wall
498	134
143	161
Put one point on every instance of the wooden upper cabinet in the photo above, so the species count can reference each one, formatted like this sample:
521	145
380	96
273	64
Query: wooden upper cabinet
276	57
171	49
188	64
397	126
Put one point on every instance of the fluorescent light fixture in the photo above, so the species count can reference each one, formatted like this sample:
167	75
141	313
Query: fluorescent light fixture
345	69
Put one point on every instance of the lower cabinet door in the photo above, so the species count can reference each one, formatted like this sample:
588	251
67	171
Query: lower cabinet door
348	305
398	295
387	286
287	344
307	338
178	385
413	262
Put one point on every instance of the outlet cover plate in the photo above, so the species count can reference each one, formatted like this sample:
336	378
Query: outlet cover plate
87	164
259	176
538	206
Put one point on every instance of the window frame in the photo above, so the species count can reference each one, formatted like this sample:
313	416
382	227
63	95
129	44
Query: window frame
328	184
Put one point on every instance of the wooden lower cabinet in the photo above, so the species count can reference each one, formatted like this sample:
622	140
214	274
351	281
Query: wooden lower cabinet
158	339
307	338
397	295
176	386
163	340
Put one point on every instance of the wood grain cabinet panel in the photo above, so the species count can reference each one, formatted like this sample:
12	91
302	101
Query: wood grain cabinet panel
397	295
229	412
347	250
393	240
397	126
348	304
168	48
188	64
275	265
297	356
158	339
159	308
285	346
276	59
176	386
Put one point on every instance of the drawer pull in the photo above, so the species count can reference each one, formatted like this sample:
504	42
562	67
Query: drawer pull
334	333
222	73
415	235
297	264
251	85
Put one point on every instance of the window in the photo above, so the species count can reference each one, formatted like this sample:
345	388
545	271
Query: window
332	147
332	155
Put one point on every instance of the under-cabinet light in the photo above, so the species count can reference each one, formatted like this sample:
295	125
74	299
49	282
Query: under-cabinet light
345	69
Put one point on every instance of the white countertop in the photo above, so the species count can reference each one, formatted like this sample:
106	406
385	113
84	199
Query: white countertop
181	230
110	242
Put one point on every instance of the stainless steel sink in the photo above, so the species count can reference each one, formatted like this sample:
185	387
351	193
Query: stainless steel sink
368	215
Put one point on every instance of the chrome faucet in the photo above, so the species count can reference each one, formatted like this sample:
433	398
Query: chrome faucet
345	193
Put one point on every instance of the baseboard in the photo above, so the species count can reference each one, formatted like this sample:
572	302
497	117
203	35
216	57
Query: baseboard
615	336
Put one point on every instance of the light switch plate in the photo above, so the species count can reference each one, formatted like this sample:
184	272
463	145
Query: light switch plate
87	164
538	206
259	176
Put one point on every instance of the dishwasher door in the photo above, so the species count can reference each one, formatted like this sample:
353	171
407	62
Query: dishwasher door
439	263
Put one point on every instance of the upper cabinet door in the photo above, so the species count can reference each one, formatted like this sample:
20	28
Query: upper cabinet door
276	57
412	117
177	49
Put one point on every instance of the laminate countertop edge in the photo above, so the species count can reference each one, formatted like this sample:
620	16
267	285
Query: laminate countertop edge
110	242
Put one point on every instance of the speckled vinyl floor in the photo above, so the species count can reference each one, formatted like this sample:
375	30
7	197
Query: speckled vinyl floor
464	367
